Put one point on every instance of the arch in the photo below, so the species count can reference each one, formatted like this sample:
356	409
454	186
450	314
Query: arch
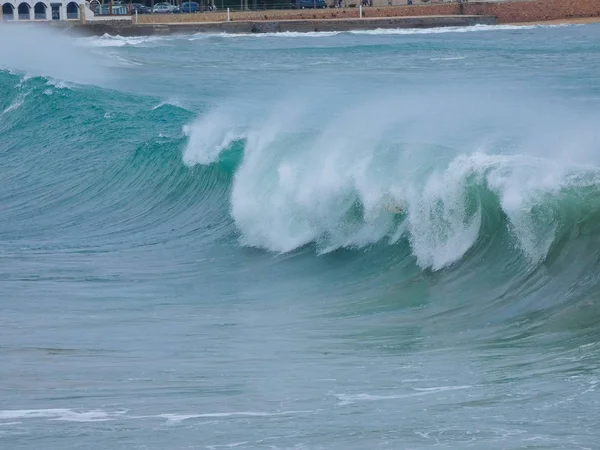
23	10
72	10
39	11
8	11
94	5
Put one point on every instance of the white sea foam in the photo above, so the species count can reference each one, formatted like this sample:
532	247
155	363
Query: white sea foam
297	185
443	30
449	58
346	399
69	415
380	31
59	84
62	60
17	102
170	102
218	415
61	414
281	34
119	41
210	135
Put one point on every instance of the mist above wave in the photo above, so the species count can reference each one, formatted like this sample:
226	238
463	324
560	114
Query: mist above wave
35	50
350	173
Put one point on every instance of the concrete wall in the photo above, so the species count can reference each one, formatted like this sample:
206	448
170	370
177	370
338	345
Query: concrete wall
506	12
124	29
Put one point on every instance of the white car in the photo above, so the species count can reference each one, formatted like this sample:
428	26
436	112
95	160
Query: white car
163	8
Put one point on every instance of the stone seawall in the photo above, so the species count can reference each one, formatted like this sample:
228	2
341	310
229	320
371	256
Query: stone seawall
343	19
506	12
272	26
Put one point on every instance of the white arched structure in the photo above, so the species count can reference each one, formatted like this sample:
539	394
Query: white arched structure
24	11
41	9
8	11
72	10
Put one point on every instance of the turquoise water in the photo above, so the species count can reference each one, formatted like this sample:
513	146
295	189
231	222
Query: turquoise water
385	239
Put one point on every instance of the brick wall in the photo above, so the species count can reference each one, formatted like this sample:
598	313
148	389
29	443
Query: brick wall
506	12
535	11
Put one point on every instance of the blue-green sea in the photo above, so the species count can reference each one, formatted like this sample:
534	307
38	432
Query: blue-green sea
366	240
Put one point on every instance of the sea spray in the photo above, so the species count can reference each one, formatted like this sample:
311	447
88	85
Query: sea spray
352	185
63	59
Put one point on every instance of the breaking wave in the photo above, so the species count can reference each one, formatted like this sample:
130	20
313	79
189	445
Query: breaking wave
448	181
345	185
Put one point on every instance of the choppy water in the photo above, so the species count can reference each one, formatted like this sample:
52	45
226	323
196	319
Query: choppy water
324	241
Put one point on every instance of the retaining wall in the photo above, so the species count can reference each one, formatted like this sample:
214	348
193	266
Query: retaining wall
506	12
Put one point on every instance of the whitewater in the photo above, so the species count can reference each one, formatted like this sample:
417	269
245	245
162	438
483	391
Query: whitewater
357	240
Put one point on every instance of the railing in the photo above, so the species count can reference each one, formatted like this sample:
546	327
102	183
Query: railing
72	15
23	16
8	16
221	6
259	5
206	6
116	10
40	16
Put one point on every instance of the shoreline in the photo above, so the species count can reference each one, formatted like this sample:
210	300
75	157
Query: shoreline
127	29
573	21
432	15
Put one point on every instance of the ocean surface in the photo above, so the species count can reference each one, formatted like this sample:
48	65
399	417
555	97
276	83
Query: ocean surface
371	240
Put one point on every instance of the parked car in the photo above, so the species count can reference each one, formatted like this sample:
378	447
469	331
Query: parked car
190	7
140	9
307	4
164	8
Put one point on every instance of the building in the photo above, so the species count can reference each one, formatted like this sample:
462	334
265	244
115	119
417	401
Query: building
21	10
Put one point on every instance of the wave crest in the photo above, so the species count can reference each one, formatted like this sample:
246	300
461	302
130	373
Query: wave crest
345	185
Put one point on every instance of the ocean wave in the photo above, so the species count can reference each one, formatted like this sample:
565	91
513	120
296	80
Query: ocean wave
169	102
108	40
64	60
120	41
347	186
444	30
347	399
379	31
17	102
72	415
315	173
61	414
287	180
